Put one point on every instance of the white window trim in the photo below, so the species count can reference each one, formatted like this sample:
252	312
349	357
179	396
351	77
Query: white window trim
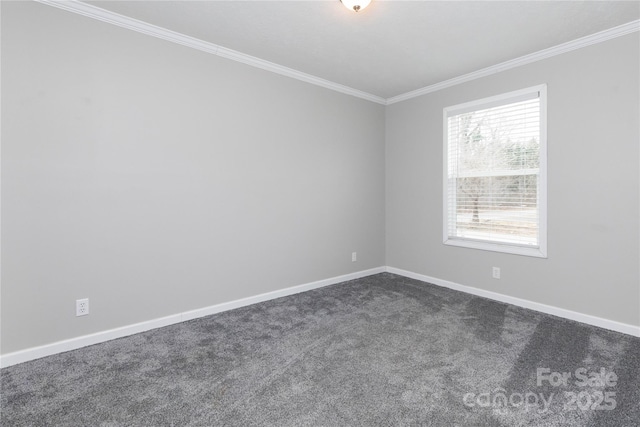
541	250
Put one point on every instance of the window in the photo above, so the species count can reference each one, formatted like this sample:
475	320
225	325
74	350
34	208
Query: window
495	173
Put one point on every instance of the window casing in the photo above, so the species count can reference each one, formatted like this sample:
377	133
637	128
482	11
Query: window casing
495	170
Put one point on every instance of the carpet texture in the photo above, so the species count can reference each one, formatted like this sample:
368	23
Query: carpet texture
379	351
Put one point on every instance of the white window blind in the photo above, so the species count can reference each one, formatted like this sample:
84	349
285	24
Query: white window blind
495	183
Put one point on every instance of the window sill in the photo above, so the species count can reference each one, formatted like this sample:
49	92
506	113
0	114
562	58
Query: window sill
538	252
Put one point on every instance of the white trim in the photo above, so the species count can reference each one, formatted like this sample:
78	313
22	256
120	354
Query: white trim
99	337
540	251
612	325
103	15
505	248
600	37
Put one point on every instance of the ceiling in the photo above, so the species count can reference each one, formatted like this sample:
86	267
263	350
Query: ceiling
391	47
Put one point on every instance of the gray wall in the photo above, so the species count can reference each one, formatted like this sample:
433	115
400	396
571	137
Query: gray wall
593	190
155	179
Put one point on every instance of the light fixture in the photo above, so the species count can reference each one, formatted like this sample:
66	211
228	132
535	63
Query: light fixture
355	5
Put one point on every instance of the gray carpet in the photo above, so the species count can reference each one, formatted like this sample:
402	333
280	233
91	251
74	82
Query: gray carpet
379	351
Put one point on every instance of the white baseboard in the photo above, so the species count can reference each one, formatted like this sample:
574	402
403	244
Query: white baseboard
548	309
98	337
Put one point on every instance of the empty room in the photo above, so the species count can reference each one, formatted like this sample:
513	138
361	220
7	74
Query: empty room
320	213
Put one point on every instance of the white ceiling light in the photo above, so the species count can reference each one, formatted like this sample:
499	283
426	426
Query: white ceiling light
355	5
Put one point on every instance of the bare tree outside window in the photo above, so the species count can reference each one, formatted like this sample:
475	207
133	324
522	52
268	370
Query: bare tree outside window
489	149
493	164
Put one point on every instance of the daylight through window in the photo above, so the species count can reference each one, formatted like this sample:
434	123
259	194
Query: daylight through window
495	173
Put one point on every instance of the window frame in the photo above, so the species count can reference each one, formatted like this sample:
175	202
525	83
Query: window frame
540	250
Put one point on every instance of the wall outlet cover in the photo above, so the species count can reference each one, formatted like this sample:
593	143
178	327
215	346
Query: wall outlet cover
82	307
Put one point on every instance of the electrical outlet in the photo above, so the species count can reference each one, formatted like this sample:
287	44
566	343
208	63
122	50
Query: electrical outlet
496	272
354	256
82	307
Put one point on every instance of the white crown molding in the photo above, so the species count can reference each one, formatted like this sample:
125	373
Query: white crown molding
124	331
588	319
600	37
103	15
